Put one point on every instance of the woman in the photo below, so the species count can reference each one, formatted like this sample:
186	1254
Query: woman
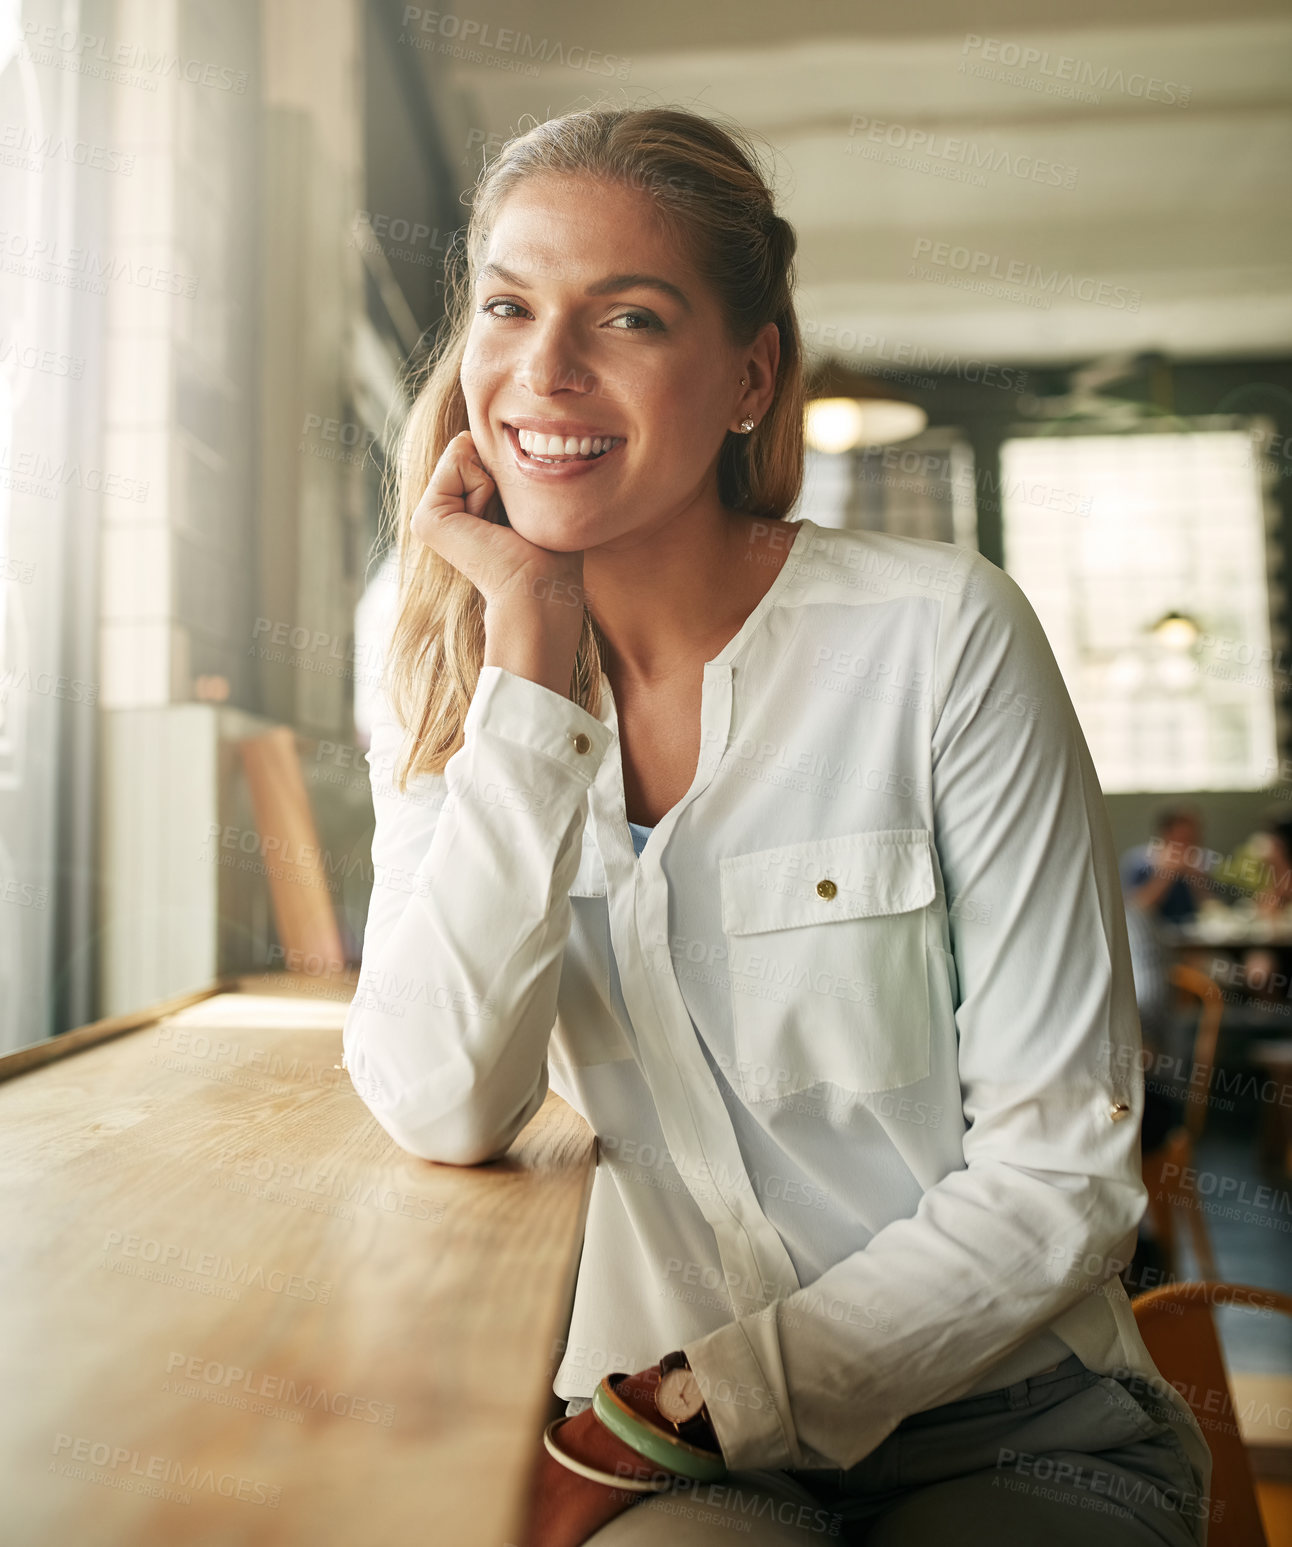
853	1016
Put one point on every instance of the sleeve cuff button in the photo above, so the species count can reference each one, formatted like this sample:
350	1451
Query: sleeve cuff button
1117	1111
582	742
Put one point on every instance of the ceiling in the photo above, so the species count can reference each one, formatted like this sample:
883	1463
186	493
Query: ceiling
1039	227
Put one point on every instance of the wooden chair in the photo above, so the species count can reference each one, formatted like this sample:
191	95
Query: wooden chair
1274	1058
298	880
1180	1335
1167	1169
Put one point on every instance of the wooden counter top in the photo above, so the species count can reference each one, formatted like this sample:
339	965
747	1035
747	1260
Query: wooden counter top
235	1311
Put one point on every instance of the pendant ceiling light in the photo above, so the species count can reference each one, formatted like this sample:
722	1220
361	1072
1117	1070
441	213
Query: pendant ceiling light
846	409
1175	630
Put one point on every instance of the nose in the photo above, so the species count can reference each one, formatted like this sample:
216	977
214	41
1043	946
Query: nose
552	361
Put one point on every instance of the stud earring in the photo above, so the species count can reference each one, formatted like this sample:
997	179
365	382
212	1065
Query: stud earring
745	424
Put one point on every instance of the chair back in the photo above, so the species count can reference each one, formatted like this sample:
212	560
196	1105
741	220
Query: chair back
1205	1039
1180	1335
1168	1169
304	914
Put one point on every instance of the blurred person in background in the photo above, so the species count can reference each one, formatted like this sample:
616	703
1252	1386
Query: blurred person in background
1159	877
1261	868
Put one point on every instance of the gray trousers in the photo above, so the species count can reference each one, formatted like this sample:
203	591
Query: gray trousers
1064	1459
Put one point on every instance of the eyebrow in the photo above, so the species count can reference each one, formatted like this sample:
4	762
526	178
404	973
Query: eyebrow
602	286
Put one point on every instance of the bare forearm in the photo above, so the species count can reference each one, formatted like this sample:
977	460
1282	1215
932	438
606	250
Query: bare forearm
524	638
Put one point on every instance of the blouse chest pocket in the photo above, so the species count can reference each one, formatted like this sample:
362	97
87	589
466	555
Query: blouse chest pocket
828	964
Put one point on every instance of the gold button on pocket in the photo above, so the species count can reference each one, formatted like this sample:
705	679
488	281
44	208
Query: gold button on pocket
1118	1110
828	962
582	741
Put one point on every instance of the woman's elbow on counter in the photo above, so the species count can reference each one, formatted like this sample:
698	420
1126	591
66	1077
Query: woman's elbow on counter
463	1134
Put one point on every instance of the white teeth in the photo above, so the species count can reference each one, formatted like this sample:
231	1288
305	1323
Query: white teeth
563	447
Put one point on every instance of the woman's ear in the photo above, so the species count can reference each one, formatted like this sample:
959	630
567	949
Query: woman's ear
768	360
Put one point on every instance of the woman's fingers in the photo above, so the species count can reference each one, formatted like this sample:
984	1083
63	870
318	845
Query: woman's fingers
458	516
451	517
459	483
478	486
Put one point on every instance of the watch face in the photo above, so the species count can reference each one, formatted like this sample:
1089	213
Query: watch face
678	1396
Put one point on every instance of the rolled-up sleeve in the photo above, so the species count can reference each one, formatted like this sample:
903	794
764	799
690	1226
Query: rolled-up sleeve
446	1038
1048	1040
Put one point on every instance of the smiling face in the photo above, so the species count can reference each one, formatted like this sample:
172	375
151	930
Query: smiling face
599	377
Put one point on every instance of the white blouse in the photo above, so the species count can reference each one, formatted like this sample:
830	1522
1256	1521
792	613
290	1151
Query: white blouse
856	1032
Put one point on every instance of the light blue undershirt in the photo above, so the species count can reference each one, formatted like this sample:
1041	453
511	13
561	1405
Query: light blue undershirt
639	835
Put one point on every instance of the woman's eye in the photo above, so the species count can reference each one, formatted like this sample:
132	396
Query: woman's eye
634	322
489	307
644	318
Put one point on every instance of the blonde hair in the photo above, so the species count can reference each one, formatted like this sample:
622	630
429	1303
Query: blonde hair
708	188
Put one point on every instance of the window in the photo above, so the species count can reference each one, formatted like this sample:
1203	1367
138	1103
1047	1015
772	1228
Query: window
919	487
1145	557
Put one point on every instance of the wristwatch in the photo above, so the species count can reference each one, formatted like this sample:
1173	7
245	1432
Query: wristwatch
680	1402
